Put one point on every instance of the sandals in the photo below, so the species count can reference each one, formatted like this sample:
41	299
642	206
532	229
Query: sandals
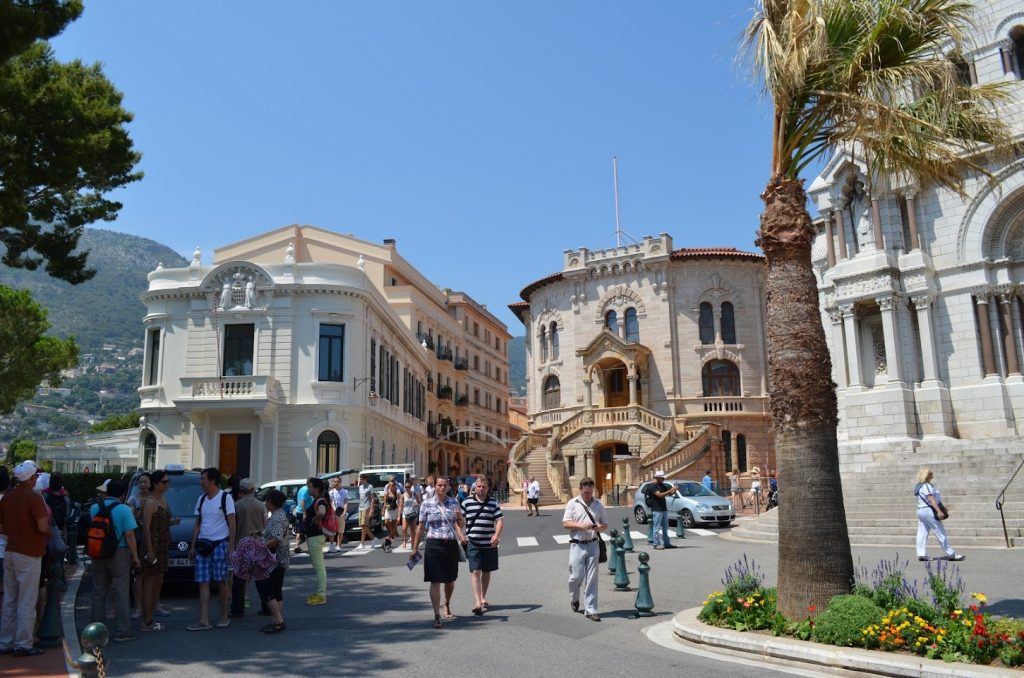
273	628
478	611
198	627
448	616
437	622
154	626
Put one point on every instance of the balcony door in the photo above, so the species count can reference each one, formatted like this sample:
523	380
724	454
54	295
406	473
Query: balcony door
616	388
235	454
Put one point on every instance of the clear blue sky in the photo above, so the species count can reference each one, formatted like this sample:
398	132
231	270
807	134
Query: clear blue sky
478	134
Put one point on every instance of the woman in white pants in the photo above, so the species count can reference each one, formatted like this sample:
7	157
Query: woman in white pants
930	514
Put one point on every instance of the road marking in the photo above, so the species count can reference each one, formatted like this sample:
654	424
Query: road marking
701	532
527	541
561	538
637	535
357	552
606	537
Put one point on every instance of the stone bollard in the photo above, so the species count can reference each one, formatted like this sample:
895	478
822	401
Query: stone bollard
680	530
621	577
611	549
49	625
95	637
627	537
644	603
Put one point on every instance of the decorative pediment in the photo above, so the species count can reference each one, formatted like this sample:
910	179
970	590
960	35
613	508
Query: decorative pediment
608	344
238	285
619	298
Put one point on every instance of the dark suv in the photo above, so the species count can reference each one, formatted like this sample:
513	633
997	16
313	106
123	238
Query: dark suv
182	495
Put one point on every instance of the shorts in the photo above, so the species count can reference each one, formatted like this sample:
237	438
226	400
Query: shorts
533	500
339	511
271	587
482	558
391	514
364	518
213	567
411	518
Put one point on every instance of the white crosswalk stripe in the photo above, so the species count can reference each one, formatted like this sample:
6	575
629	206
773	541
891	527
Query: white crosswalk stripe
527	541
702	532
637	535
561	538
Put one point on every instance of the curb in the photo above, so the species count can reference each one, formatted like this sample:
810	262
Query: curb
787	652
72	647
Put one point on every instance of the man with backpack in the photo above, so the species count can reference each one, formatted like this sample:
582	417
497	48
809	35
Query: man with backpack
26	522
213	538
110	543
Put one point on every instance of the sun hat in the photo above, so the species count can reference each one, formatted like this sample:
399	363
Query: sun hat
247	485
659	474
102	487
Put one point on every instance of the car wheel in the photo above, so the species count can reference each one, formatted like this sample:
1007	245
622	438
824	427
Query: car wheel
640	514
688	520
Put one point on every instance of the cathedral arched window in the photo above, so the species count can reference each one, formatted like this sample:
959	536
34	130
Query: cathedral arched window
543	336
554	341
720	378
632	325
728	323
706	324
611	321
328	450
552	393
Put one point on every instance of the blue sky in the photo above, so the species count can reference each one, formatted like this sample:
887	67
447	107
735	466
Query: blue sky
478	134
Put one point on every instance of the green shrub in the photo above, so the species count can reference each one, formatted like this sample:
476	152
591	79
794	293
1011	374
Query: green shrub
844	620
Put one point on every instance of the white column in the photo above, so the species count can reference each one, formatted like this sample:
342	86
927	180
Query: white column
838	347
849	312
632	388
924	325
893	357
588	392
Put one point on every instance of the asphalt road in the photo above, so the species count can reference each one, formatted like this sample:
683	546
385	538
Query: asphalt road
378	617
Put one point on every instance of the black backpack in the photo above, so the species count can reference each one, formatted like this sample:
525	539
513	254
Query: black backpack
647	495
59	508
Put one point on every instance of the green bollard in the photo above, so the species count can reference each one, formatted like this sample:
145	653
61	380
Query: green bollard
611	549
650	530
94	638
621	578
680	531
628	538
644	603
49	625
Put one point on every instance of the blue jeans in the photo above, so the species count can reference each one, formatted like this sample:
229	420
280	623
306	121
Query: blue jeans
661	528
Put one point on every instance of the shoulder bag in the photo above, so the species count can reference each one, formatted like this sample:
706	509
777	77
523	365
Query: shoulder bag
602	549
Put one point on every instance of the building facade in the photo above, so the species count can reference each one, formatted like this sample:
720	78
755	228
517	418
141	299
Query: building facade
304	351
642	357
921	288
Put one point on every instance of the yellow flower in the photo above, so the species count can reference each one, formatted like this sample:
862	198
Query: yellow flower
980	597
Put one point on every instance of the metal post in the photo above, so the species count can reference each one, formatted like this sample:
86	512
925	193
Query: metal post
644	603
621	578
650	531
680	530
611	545
627	538
49	626
94	637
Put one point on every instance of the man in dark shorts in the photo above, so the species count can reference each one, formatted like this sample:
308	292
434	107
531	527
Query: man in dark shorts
533	498
484	523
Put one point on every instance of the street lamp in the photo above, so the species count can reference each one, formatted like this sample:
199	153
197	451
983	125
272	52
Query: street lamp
372	395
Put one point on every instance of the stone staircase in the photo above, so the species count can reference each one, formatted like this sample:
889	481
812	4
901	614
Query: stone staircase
881	510
537	467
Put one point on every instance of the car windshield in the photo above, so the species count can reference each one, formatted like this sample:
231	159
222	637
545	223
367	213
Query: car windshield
694	490
182	496
379	480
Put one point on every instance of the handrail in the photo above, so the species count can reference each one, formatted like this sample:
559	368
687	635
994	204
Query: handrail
1001	498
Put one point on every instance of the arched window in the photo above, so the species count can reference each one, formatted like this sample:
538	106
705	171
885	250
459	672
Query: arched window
554	341
149	451
632	326
706	325
543	344
721	378
1014	61
728	323
611	321
328	452
741	452
552	393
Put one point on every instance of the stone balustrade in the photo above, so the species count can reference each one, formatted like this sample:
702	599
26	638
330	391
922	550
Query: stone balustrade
250	387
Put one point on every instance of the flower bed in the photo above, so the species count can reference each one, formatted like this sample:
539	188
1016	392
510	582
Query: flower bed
884	611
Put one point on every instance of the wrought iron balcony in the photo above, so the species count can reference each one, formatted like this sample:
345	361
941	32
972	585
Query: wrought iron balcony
425	339
443	353
462	400
444	392
462	363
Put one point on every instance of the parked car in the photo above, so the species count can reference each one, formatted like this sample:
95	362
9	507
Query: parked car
182	495
700	505
291	490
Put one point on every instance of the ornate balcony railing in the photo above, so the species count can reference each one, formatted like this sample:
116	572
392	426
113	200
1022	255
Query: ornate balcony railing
614	416
425	339
462	400
444	392
462	363
223	388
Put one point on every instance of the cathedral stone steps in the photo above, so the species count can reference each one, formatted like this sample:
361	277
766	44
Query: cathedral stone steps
537	467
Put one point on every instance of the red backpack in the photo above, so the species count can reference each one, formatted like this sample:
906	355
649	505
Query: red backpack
329	523
101	539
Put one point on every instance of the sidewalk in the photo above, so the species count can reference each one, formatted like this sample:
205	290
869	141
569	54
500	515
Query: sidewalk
52	661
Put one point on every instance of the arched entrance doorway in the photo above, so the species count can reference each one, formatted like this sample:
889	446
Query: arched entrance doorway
604	465
614	382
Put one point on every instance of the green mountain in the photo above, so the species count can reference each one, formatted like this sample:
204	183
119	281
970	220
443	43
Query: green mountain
106	309
517	365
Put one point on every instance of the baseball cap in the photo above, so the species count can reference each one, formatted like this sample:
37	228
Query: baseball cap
103	486
659	474
25	470
247	484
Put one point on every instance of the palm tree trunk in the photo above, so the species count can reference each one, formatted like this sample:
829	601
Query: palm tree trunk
815	562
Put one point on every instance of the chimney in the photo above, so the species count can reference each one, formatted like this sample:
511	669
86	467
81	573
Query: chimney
390	242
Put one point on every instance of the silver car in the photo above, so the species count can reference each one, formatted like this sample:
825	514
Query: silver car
700	506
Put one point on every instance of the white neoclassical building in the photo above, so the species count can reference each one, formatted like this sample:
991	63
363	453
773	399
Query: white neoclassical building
644	356
921	291
303	351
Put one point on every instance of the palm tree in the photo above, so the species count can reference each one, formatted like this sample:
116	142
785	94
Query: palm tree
873	77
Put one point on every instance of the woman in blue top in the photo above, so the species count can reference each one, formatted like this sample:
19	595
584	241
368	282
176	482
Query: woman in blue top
930	514
440	518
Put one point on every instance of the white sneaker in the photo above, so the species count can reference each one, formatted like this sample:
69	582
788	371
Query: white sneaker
333	548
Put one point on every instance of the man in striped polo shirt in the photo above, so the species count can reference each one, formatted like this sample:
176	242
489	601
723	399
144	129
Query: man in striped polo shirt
484	523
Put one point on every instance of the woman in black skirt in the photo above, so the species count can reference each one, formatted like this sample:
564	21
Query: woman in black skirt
440	519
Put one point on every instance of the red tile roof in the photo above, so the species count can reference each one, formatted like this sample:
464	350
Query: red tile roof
529	289
723	252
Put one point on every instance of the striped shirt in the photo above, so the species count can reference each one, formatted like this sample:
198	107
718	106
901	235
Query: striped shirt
480	519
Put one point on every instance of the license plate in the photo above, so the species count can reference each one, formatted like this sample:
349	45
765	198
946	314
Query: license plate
179	562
